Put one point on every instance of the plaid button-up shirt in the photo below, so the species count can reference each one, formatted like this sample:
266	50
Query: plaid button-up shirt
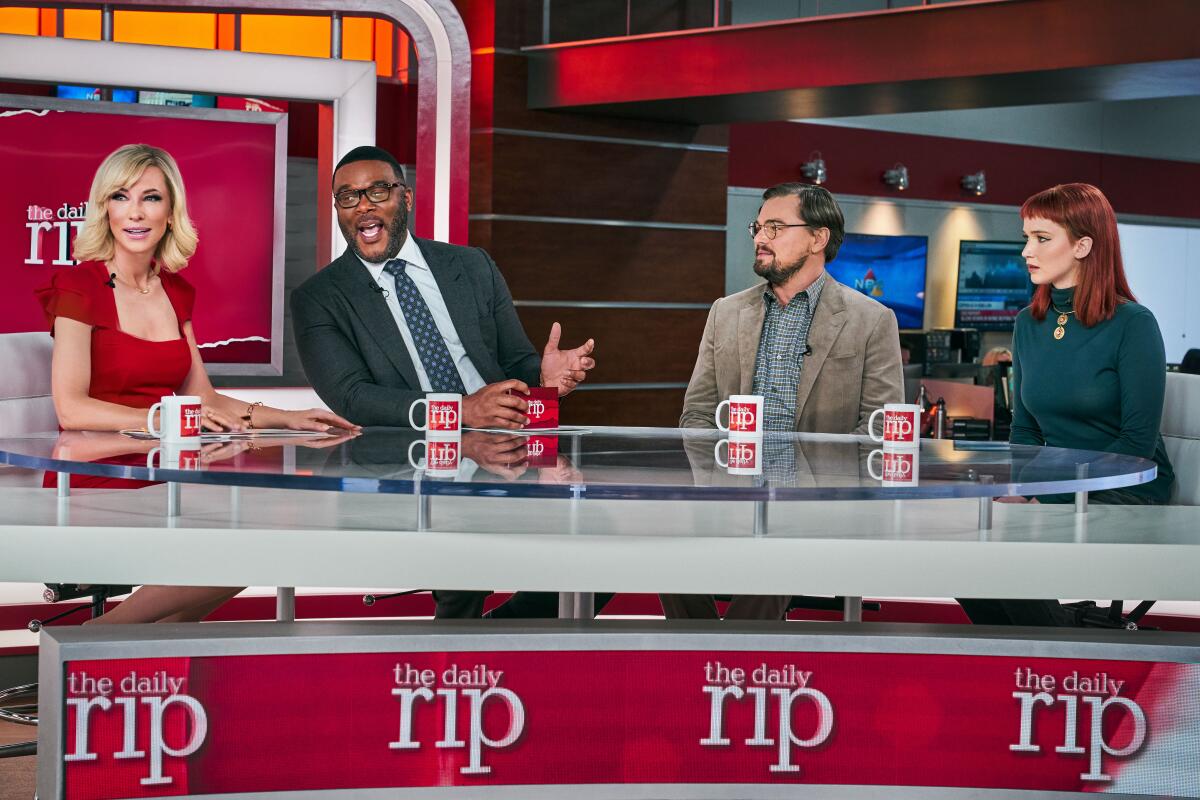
781	353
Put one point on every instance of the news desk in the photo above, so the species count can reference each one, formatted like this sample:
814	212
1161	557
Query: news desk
609	509
601	709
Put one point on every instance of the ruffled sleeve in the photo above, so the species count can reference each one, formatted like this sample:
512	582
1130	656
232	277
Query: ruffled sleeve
68	294
181	293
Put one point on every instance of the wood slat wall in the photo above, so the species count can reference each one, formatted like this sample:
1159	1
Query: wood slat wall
567	261
590	220
632	345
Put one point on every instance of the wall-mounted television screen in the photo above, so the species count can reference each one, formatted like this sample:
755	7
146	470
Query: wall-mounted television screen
993	285
890	269
92	93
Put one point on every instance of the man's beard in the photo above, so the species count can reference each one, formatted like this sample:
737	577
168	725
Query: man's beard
396	233
776	273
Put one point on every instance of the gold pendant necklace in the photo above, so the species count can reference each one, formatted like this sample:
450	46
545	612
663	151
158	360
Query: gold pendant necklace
1061	330
133	284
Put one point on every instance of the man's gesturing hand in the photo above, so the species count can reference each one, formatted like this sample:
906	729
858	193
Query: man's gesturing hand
565	369
493	407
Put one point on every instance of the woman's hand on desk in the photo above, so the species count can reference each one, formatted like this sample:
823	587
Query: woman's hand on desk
1016	499
312	419
214	419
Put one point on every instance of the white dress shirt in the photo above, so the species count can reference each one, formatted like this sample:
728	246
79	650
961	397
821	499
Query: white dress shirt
418	270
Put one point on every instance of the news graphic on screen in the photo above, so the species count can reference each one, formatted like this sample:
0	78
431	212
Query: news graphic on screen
93	93
890	269
993	285
233	165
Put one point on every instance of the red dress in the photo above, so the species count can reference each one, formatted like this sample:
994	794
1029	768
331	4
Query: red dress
126	370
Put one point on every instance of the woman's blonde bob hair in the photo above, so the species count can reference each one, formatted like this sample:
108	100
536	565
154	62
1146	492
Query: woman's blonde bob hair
123	168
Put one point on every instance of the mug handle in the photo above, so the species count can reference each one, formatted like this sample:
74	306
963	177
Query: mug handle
870	471
717	454
871	427
150	419
415	465
413	408
717	416
150	458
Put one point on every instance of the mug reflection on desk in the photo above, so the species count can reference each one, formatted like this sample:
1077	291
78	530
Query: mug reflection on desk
744	456
542	451
175	455
899	467
441	457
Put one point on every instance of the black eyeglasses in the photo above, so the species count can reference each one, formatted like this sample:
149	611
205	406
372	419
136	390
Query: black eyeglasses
376	193
772	228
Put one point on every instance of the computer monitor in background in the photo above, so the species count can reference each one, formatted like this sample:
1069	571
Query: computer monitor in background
993	285
177	99
890	269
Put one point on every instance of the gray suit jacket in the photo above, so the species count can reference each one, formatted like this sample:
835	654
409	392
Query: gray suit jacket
854	367
352	350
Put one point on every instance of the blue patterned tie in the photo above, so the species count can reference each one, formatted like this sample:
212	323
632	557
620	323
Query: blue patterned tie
431	347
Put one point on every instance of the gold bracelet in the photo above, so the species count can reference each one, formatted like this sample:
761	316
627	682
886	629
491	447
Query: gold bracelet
248	417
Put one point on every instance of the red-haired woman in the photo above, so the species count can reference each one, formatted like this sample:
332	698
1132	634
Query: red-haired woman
1088	361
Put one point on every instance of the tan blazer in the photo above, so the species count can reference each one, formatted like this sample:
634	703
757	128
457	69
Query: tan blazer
854	367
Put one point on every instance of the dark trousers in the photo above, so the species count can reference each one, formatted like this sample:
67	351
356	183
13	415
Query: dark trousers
452	604
455	604
1044	613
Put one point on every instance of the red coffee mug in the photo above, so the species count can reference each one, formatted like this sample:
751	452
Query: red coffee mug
745	414
901	425
543	407
443	413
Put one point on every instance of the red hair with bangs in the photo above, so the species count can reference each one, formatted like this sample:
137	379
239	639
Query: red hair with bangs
1084	211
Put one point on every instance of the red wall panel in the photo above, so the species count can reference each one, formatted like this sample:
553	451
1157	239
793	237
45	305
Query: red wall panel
763	154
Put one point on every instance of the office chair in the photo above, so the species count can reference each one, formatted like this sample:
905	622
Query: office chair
18	704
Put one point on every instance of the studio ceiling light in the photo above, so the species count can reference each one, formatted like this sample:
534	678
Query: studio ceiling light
897	177
975	184
814	168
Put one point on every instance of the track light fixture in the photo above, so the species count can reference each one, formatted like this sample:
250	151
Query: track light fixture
814	168
975	184
897	177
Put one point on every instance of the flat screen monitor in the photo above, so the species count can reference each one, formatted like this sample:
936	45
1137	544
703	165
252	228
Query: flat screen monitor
177	99
890	269
92	93
993	285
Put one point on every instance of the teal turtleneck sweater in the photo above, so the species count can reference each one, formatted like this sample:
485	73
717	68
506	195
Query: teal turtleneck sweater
1098	388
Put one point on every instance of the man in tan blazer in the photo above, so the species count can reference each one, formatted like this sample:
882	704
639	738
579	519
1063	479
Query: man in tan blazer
821	354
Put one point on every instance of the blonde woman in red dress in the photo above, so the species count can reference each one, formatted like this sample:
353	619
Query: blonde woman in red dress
121	322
